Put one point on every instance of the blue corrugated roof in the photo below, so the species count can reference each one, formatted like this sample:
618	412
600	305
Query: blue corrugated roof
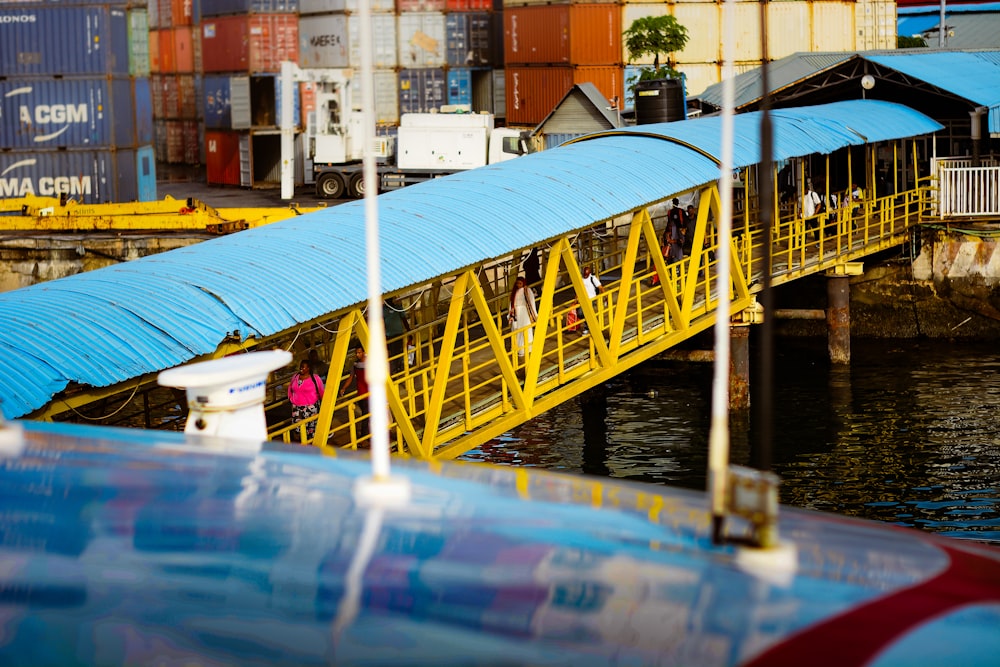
113	324
971	75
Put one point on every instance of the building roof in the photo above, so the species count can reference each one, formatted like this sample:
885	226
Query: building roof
110	325
582	109
968	74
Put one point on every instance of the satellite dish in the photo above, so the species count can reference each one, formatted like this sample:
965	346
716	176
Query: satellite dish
867	82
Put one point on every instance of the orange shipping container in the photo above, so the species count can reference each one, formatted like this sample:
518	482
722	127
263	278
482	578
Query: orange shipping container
255	43
177	48
588	34
533	92
154	51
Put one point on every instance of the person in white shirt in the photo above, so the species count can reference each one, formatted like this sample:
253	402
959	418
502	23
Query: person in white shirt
593	286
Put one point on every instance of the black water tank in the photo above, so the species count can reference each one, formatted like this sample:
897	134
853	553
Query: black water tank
659	101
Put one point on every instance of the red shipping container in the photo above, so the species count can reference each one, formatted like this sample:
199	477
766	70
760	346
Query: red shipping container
176	12
307	102
177	47
183	145
222	157
469	5
178	96
420	5
589	34
533	92
255	43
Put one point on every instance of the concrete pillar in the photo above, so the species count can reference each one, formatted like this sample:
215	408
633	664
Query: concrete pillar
838	318
739	367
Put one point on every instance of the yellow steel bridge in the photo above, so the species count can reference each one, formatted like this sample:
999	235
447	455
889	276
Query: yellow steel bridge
466	384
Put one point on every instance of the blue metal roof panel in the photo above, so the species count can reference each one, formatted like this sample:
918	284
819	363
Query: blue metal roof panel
966	74
108	325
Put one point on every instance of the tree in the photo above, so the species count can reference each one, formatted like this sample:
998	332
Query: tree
904	42
651	36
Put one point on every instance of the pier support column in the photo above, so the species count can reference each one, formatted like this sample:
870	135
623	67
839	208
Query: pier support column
739	367
838	312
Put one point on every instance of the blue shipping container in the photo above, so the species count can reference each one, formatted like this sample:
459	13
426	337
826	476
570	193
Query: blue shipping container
217	101
421	90
45	40
460	86
470	39
90	177
75	113
226	7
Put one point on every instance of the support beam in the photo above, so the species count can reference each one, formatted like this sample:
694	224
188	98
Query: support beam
838	319
739	367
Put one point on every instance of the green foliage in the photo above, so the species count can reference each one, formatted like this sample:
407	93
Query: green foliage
651	36
903	42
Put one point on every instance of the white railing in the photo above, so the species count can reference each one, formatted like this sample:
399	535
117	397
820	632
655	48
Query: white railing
967	191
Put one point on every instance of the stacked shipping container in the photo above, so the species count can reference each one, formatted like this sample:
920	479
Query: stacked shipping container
243	43
76	114
794	26
549	48
176	81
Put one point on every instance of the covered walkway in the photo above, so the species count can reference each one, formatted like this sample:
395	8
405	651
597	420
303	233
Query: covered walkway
87	344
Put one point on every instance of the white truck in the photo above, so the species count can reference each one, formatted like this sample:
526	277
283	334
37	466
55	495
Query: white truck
428	145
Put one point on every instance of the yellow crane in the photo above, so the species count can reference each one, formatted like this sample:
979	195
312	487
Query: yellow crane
52	214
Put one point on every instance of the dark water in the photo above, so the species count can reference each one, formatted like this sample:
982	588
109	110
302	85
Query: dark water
909	433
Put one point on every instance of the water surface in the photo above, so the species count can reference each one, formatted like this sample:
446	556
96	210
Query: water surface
907	434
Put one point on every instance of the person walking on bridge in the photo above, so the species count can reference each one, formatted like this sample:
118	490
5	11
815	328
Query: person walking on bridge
305	391
522	314
593	285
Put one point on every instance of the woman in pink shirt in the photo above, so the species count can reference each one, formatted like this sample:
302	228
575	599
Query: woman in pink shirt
305	390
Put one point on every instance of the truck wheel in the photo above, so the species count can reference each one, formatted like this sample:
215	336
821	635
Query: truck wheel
357	187
330	186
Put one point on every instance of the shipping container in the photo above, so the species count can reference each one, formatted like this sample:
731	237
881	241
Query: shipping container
470	39
180	50
468	5
178	98
420	5
344	6
476	88
506	4
154	51
421	39
46	40
497	92
138	40
88	176
422	90
265	159
331	41
249	44
579	34
256	101
173	13
183	142
227	157
217	106
533	92
387	94
75	113
212	8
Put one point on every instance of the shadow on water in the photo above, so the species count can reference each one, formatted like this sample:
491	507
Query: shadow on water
907	434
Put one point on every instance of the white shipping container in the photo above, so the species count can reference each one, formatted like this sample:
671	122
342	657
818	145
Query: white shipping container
794	26
386	96
348	6
422	40
331	41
